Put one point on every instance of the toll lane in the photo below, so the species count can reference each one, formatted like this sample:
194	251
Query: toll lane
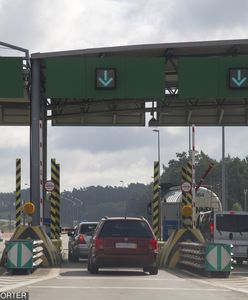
74	281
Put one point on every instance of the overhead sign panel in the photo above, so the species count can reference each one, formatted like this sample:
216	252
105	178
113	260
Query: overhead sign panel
198	77
11	77
105	78
213	77
65	78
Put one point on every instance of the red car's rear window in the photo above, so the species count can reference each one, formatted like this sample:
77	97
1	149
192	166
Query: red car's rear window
126	228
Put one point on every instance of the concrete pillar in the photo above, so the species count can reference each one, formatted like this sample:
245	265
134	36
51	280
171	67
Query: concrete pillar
34	141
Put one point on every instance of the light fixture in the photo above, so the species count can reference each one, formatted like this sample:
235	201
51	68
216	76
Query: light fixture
153	122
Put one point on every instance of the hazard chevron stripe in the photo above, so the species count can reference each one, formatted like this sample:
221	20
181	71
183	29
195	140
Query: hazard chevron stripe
18	192
156	200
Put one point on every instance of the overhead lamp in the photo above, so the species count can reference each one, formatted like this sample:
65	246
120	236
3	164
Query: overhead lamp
153	122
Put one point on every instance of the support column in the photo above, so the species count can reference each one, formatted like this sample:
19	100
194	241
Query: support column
18	193
55	204
58	199
223	173
34	141
156	201
187	208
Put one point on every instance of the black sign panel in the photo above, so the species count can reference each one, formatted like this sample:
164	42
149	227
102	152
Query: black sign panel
105	78
238	78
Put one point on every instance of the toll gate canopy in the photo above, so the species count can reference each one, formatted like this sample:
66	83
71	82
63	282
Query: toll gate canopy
177	84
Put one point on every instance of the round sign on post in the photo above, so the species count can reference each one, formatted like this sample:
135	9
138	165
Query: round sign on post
49	186
186	186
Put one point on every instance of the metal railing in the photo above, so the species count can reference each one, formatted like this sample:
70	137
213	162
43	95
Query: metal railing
209	258
193	254
37	253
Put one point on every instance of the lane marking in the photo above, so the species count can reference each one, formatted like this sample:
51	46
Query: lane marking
128	288
117	278
221	285
52	274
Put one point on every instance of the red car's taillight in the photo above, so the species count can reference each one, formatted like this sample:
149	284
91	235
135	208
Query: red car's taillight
80	239
211	228
99	243
153	244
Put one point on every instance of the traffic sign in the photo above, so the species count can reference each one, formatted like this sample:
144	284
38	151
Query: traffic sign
238	78
105	78
186	186
218	257
19	254
49	186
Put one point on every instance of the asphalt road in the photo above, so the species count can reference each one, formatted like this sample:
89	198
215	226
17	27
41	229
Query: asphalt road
72	281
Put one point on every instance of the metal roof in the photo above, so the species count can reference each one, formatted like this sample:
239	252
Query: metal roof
175	195
217	47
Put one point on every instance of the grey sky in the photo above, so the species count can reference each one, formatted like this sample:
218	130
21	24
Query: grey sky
91	156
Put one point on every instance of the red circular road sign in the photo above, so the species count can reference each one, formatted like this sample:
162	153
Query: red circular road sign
186	186
49	186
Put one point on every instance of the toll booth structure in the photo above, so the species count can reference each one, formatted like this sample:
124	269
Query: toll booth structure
111	87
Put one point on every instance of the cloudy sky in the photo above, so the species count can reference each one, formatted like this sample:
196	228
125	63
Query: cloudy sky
106	156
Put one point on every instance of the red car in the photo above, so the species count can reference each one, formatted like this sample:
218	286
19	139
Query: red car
123	242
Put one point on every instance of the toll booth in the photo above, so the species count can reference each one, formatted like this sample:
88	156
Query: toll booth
171	218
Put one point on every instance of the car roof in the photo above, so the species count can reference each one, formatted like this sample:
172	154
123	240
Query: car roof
124	218
81	223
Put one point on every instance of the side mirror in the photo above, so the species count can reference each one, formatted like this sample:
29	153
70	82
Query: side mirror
70	233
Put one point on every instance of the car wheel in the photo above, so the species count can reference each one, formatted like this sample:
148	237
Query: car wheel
88	266
239	261
75	258
93	268
153	270
69	256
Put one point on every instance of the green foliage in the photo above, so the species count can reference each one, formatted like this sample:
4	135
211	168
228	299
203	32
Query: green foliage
236	206
236	175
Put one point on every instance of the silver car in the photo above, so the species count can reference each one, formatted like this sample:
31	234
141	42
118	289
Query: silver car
79	239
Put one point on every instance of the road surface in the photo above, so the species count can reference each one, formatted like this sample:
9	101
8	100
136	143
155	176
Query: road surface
72	281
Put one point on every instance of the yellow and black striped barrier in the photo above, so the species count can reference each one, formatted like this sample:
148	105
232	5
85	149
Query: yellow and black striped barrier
18	193
156	200
187	197
55	201
169	255
58	200
51	256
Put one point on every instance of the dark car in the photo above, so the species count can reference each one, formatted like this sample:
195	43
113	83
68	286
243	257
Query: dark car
79	240
123	242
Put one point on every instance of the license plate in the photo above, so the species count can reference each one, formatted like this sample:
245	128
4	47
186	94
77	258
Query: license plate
126	245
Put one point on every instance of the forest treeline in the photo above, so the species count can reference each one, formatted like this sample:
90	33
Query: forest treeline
93	202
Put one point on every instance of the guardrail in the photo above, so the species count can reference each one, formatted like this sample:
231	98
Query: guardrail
209	258
23	255
193	254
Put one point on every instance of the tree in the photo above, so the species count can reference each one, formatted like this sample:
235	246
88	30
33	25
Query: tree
237	206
